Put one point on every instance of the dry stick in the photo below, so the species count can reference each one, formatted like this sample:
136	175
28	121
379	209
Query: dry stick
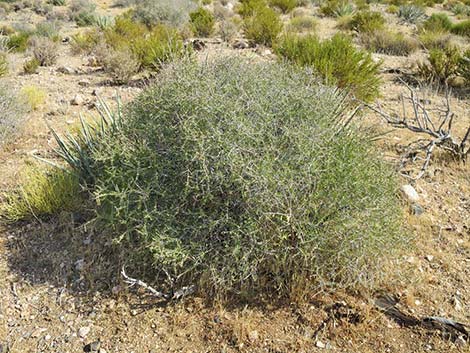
180	293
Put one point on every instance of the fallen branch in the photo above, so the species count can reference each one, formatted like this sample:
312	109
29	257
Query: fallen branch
437	127
178	294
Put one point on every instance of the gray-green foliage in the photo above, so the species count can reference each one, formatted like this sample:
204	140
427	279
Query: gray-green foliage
169	12
12	114
237	177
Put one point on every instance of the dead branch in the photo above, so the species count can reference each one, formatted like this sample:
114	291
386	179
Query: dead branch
435	124
178	294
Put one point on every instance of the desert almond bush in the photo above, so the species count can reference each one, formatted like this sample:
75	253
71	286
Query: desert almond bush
239	177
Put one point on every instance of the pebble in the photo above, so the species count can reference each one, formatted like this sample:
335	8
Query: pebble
253	336
83	331
320	344
410	193
77	100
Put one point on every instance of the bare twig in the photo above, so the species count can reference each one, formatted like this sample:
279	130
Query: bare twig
438	129
178	294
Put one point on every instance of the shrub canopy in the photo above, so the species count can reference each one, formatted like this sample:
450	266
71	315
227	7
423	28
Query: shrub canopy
236	176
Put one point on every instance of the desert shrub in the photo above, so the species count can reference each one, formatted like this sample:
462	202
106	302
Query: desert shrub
48	29
202	22
228	30
41	7
150	47
263	27
441	65
411	13
336	60
367	21
285	6
18	42
247	8
460	9
464	66
337	8
32	96
3	64
84	42
435	40
302	23
438	22
12	114
240	185
393	9
82	12
43	192
462	28
44	50
121	65
103	22
31	66
389	43
169	12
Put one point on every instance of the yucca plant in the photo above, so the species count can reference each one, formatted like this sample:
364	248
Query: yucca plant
76	148
103	22
411	13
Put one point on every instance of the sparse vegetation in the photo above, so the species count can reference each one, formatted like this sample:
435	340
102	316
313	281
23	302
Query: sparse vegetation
33	96
31	66
438	22
173	13
288	204
336	60
285	6
462	28
337	8
3	64
11	114
302	23
82	12
44	50
411	13
367	21
442	65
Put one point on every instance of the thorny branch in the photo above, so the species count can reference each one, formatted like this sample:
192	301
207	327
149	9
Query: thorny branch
437	127
180	293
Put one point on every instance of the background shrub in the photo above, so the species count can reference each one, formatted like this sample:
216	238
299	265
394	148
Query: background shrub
12	114
18	42
337	8
442	64
169	12
44	50
32	96
462	28
202	22
302	23
240	184
336	60
389	43
367	21
31	66
82	12
122	65
438	22
285	6
263	27
411	13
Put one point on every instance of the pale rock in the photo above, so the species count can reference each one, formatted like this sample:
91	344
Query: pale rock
77	100
410	193
84	331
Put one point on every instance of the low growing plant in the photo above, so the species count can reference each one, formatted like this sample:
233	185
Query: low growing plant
411	13
12	114
336	60
263	27
441	65
33	96
202	22
31	66
389	43
44	50
285	6
367	21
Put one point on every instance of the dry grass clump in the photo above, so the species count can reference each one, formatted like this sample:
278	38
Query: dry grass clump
302	24
389	43
243	182
285	6
82	12
173	13
44	50
121	65
367	21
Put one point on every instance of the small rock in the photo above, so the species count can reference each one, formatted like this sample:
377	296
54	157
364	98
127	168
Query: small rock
92	347
84	83
66	70
198	44
36	333
102	350
460	341
429	258
410	193
320	344
47	337
77	100
417	209
240	44
84	331
80	264
253	336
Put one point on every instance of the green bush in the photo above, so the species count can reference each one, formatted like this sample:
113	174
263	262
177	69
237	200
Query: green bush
263	27
389	43
438	22
18	42
302	23
336	60
31	66
82	12
202	22
464	66
435	40
367	21
441	65
248	8
285	6
462	28
234	176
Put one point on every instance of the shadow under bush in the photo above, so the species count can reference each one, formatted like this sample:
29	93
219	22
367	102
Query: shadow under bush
235	176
